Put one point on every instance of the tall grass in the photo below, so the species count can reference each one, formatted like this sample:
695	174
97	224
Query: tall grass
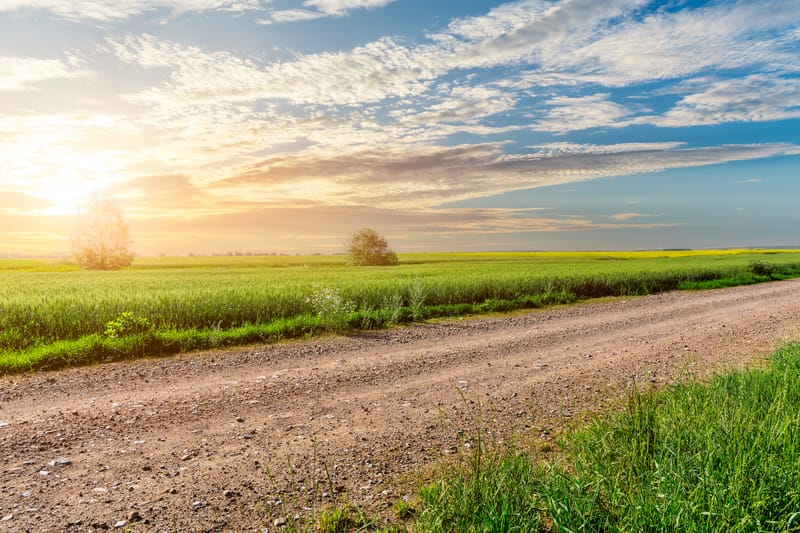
717	457
41	304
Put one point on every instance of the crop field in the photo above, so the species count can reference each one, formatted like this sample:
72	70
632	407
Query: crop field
53	315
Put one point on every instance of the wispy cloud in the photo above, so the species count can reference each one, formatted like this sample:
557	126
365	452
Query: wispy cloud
23	73
579	113
628	216
369	73
755	98
338	6
115	10
16	201
316	9
419	177
459	105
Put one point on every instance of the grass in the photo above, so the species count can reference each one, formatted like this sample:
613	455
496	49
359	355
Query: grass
717	457
53	315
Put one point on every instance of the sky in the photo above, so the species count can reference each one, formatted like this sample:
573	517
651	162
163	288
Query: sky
446	125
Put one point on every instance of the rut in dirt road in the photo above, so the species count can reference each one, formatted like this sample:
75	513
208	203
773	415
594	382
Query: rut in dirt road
214	440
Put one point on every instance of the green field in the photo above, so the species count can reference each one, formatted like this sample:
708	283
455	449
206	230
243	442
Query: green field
53	315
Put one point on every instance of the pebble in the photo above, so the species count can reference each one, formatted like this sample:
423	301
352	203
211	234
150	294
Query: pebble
197	505
61	461
7	517
120	524
279	522
4	424
134	516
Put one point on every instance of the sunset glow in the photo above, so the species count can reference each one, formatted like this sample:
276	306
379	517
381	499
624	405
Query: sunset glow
285	125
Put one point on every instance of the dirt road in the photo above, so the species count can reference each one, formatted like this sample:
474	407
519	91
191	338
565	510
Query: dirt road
210	442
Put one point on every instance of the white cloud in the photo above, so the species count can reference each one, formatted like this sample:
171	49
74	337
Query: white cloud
755	98
290	15
568	148
112	10
663	45
545	37
365	74
461	104
579	113
501	20
317	9
22	73
339	6
672	45
628	216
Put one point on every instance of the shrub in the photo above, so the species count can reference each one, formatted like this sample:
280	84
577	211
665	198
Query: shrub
127	324
762	268
367	248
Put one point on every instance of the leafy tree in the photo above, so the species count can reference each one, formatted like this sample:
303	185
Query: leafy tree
102	237
367	248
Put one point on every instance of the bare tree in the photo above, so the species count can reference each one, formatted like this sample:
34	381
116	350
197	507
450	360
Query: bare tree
367	248
102	238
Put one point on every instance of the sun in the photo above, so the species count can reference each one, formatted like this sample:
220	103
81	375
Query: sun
66	191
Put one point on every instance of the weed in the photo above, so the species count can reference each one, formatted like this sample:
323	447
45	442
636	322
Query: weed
416	300
332	308
127	324
393	308
404	510
759	267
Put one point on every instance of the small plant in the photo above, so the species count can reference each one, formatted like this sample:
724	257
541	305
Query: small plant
404	510
339	520
332	308
759	267
416	301
393	306
215	334
126	325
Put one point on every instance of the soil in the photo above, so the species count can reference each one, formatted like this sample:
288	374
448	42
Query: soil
238	440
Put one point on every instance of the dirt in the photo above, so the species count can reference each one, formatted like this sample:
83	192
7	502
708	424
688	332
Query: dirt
236	440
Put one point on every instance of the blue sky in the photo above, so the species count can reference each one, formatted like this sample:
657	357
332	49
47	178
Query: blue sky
278	125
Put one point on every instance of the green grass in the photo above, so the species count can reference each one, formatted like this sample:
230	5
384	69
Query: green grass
53	315
717	457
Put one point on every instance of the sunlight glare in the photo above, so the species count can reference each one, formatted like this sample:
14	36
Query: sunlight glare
67	191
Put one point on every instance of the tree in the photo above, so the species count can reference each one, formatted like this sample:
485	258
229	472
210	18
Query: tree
367	248
102	238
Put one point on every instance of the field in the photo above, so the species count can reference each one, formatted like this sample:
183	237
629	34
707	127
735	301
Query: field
53	315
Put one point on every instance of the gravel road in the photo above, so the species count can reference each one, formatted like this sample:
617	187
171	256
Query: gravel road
216	441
